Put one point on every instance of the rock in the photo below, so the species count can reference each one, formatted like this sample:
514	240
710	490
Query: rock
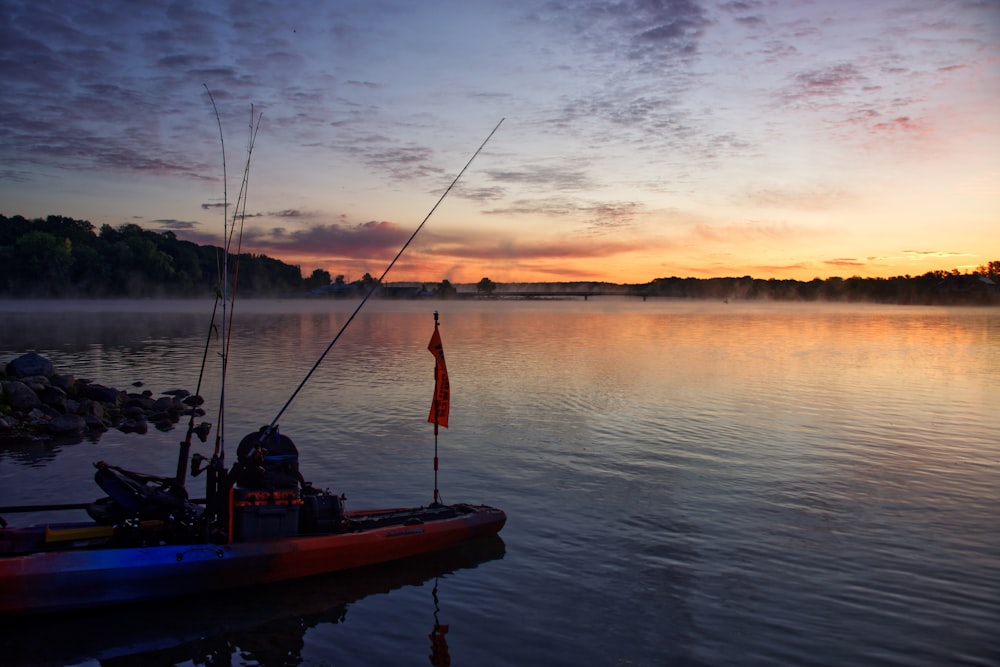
133	412
30	363
162	423
65	382
98	392
138	401
47	412
19	396
68	425
168	404
36	383
54	397
89	408
138	425
41	401
94	424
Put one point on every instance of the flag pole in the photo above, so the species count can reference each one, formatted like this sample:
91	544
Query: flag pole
436	495
442	397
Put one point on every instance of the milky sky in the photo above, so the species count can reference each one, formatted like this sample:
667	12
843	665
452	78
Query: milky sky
641	139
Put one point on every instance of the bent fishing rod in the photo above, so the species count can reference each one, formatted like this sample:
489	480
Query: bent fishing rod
221	291
270	428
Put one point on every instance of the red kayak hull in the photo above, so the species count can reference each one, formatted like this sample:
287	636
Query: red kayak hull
65	579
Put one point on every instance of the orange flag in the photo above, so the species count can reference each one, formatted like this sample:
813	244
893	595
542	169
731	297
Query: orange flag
442	391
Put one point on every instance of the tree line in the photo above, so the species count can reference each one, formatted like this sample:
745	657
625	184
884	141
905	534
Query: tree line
62	257
981	286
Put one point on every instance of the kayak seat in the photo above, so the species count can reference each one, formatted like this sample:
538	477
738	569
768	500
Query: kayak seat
137	494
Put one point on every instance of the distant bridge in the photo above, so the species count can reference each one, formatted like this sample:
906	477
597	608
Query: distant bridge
555	294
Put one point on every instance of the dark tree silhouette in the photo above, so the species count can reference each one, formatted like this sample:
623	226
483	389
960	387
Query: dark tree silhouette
58	256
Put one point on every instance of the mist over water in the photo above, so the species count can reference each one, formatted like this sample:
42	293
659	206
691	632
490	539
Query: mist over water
685	482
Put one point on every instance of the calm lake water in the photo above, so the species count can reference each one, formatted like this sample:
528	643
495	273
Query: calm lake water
686	483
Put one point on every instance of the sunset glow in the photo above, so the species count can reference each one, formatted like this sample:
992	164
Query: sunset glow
640	140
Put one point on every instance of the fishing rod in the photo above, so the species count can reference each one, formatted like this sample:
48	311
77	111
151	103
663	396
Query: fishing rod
216	466
375	285
238	212
186	442
219	296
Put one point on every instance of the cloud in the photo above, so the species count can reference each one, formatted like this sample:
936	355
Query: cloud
544	178
479	194
611	216
778	52
15	175
611	105
743	233
387	158
741	6
924	254
827	81
365	84
177	225
373	239
109	87
403	162
901	124
593	217
777	269
639	30
569	248
842	261
817	199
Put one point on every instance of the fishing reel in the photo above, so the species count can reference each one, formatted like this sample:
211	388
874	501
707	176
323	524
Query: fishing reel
197	463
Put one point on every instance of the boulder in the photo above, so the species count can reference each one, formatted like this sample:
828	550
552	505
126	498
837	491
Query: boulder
133	412
36	383
98	392
30	363
162	423
138	425
68	425
87	407
95	424
138	401
65	382
19	396
40	400
54	397
168	404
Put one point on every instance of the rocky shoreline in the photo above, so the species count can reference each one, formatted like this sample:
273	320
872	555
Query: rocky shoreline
36	402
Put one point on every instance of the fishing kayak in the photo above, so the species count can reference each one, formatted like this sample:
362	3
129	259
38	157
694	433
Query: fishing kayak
56	567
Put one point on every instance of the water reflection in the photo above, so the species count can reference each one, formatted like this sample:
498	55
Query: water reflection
263	626
687	483
34	452
439	656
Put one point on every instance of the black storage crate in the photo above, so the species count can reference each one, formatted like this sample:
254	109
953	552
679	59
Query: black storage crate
322	512
259	515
